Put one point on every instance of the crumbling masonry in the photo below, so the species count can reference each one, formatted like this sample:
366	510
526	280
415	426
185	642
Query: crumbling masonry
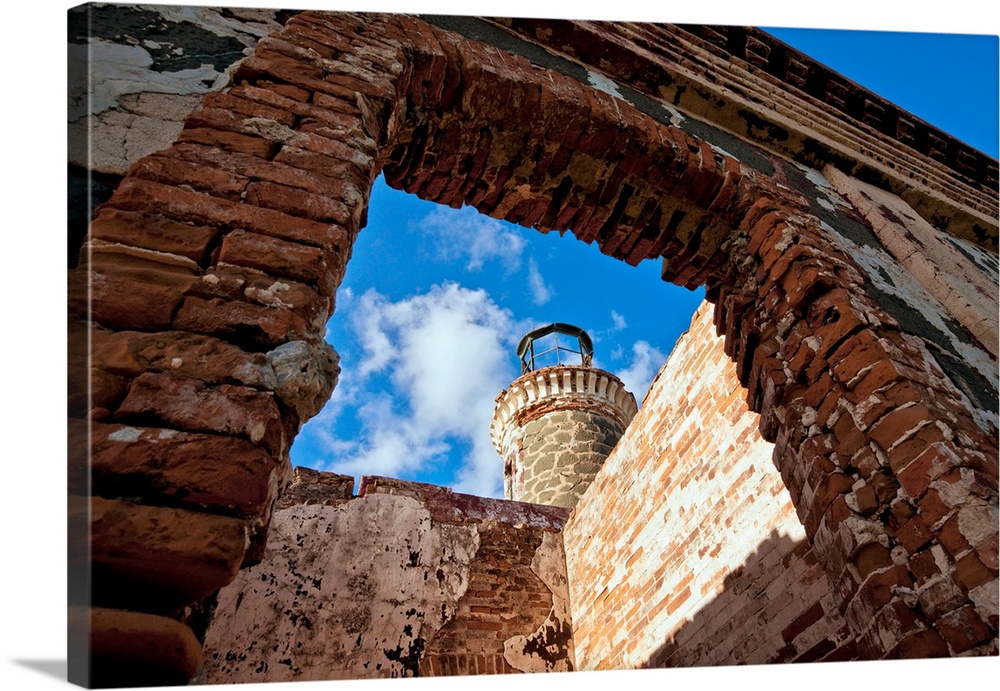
812	476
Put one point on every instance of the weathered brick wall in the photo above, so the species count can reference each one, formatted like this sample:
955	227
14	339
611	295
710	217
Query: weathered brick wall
686	549
404	580
197	310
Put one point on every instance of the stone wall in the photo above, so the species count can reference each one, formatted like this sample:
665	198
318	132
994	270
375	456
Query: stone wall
686	549
404	580
553	428
562	453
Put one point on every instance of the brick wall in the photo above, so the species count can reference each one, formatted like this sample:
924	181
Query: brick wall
686	549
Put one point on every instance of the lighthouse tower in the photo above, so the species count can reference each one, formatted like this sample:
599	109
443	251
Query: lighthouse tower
556	424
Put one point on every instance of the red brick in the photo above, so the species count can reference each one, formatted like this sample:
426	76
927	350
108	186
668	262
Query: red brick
923	644
898	425
189	404
199	471
282	258
139	649
252	327
880	586
971	572
203	209
172	171
297	202
123	303
963	629
803	622
130	353
230	141
871	558
237	284
914	534
181	556
153	232
233	103
333	178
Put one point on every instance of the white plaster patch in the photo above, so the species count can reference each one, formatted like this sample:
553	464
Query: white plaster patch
676	117
269	296
720	150
602	83
554	635
125	434
268	129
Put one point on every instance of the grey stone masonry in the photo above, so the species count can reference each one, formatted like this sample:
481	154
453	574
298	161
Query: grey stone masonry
554	427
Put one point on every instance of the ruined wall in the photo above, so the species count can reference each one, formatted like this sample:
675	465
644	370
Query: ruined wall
198	309
135	73
403	580
686	549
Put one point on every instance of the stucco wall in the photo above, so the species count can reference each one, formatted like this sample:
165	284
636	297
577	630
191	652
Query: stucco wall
404	580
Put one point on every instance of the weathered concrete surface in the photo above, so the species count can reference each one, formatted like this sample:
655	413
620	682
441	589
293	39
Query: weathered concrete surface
364	587
150	66
343	592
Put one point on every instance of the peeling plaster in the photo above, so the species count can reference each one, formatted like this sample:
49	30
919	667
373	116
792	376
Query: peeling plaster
602	83
900	294
138	71
549	648
343	592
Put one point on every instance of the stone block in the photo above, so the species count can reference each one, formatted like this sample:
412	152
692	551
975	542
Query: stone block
130	353
172	171
282	258
230	141
221	474
153	232
249	326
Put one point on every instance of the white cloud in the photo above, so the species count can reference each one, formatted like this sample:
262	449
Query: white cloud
618	320
431	368
646	362
470	236
541	293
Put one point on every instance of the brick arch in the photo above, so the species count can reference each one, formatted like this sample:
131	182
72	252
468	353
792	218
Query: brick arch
211	272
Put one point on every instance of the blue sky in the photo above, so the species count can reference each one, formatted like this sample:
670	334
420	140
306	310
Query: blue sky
435	299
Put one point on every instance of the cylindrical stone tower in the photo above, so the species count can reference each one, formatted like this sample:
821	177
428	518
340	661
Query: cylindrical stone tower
556	424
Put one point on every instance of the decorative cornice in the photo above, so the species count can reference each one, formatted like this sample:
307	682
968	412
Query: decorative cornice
561	387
